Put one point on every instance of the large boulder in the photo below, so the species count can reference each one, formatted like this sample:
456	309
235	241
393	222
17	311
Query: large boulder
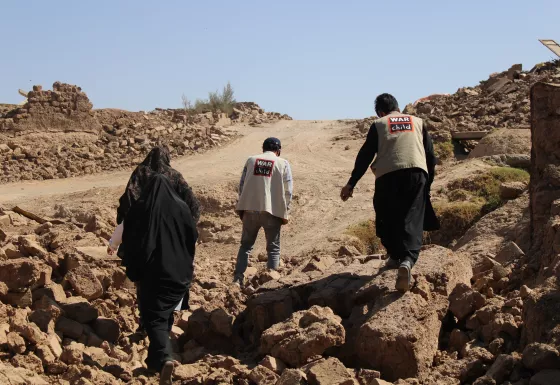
306	334
84	282
401	332
23	272
384	330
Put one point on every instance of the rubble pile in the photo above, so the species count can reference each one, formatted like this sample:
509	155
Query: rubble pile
484	313
57	134
501	101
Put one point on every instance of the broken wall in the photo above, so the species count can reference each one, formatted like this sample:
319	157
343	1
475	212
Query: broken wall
545	172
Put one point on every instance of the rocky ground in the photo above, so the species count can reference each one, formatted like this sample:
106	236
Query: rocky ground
482	311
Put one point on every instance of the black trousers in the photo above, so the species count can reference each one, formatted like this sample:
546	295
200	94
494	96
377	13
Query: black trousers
156	310
400	202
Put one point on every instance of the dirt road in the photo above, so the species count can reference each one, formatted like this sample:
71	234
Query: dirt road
320	164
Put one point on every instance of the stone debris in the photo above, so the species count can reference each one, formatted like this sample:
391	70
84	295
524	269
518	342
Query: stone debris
306	334
39	140
478	316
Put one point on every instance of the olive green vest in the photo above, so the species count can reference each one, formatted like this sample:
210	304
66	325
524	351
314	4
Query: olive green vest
400	144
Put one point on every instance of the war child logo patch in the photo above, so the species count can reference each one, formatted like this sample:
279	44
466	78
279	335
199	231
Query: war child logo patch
263	167
400	124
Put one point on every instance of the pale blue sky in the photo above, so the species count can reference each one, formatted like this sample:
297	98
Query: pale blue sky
311	59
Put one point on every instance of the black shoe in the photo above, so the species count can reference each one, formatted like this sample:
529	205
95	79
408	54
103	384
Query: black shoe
166	375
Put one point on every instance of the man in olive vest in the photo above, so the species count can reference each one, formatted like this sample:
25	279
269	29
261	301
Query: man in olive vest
265	194
404	171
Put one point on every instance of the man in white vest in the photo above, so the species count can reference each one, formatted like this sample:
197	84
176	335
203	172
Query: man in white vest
404	171
265	194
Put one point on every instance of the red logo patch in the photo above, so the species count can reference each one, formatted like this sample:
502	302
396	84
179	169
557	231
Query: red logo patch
400	124
263	167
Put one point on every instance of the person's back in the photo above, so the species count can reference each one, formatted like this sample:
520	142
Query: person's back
160	235
264	185
265	194
404	169
396	151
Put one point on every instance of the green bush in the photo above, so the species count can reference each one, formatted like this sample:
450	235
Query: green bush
487	184
217	101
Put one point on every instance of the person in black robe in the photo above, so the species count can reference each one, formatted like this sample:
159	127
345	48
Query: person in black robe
160	236
158	161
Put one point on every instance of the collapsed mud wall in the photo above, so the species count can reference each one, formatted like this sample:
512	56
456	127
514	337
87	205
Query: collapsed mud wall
58	134
545	172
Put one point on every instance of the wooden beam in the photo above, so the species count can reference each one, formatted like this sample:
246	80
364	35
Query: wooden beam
468	135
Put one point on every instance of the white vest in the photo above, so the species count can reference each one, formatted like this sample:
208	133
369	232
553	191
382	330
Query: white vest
264	188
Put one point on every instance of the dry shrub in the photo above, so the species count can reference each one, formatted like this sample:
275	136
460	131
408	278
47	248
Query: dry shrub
366	233
469	200
455	218
444	150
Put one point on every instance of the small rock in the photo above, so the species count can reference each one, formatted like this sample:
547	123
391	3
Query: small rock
263	376
24	272
539	357
222	322
70	328
80	310
45	355
457	340
367	376
16	343
348	251
32	247
262	257
329	372
107	328
464	301
306	334
292	377
273	364
73	354
29	361
84	282
525	292
512	190
509	253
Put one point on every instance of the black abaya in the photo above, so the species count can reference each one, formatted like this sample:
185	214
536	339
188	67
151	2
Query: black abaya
160	236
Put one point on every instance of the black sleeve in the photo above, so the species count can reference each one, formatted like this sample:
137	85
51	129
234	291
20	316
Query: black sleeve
365	156
431	159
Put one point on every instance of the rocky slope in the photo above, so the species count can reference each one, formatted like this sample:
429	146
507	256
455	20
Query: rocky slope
501	101
485	312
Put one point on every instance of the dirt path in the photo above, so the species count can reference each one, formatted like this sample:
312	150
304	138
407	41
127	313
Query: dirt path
320	166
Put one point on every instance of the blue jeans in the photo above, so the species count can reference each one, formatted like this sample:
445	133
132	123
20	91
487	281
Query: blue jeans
252	223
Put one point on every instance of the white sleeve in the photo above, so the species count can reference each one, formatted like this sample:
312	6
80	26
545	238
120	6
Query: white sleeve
116	238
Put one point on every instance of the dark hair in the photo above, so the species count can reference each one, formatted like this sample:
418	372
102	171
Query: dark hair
386	103
272	144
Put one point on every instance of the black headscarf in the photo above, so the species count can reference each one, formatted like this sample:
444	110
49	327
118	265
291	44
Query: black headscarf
157	162
160	237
